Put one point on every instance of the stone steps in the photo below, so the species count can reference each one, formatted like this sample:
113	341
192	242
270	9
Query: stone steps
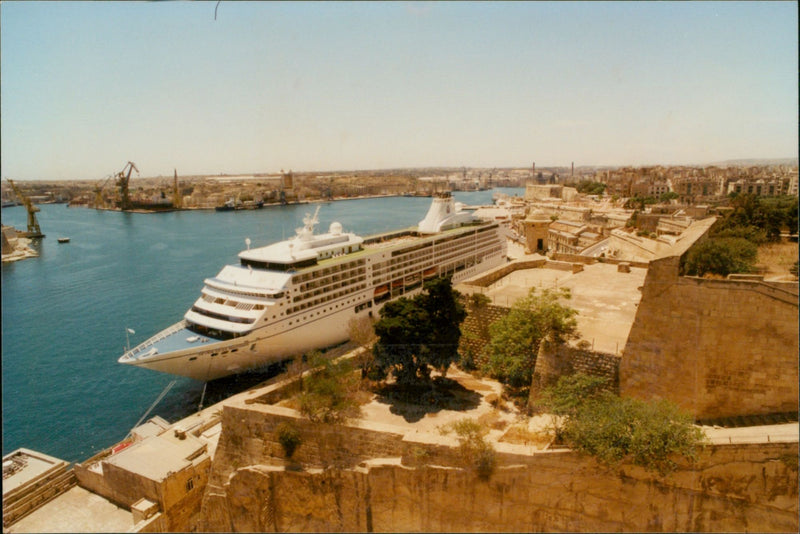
751	420
25	500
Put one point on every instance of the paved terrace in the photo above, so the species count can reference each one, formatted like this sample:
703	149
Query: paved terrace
606	300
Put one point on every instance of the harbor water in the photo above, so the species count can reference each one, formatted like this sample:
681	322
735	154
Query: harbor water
66	314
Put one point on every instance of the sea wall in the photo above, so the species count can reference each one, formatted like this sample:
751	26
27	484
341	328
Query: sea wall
717	348
731	488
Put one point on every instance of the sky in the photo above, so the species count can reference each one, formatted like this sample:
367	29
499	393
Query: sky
251	87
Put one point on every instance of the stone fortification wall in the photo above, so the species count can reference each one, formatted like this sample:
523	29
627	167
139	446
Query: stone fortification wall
589	260
475	330
717	348
490	277
555	361
731	488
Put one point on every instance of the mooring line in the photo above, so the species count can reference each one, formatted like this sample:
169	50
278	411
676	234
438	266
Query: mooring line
166	389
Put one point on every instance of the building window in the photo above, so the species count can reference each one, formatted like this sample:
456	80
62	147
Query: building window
189	485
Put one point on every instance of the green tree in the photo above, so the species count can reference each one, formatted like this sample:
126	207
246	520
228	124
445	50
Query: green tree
329	392
516	338
570	392
721	256
666	197
402	331
445	315
649	434
414	334
474	451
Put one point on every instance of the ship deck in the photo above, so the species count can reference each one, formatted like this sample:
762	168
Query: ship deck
175	341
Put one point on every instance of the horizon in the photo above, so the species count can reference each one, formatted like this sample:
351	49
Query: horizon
88	86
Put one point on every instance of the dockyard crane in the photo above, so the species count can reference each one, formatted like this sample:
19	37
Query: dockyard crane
123	180
33	225
99	201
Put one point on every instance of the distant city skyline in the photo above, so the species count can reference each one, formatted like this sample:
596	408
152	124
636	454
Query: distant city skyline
88	86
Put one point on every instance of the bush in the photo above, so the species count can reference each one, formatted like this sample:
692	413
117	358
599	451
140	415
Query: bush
648	433
475	453
289	438
329	393
721	256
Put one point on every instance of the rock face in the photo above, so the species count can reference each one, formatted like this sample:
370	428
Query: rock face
732	488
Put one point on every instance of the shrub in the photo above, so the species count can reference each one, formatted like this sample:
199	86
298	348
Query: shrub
475	453
721	256
289	438
648	433
329	393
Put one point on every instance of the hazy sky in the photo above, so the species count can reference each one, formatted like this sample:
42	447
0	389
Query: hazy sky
335	86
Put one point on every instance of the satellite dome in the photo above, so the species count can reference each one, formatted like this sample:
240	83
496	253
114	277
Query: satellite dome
336	228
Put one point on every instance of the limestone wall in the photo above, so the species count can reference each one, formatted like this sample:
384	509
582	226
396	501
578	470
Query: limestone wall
555	361
475	330
717	348
732	488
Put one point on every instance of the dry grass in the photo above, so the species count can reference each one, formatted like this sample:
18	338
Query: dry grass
778	257
523	436
492	420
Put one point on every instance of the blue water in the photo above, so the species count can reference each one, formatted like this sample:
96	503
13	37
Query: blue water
65	313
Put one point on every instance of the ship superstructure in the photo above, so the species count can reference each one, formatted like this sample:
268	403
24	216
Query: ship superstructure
300	294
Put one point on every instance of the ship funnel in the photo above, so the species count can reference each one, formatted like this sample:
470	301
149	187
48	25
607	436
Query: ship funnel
442	215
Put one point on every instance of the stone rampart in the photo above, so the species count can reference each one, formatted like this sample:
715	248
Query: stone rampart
475	330
730	488
557	360
717	348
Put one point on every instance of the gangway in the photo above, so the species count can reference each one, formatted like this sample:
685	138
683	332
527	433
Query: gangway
33	225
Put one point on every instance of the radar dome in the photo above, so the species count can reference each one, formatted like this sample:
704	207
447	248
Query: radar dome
336	228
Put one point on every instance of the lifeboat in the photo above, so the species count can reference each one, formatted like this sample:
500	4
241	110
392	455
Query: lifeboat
427	274
381	290
396	284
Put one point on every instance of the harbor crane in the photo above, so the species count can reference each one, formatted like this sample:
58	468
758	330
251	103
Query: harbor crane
33	225
99	201
123	180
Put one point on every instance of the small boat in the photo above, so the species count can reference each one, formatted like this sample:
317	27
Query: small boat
63	240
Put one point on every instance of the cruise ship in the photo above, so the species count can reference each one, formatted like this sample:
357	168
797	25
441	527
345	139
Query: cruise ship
300	294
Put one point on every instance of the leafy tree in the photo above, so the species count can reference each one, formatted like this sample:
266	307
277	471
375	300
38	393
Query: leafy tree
758	219
402	332
362	332
474	451
414	334
445	315
516	338
329	392
648	433
721	256
669	195
566	396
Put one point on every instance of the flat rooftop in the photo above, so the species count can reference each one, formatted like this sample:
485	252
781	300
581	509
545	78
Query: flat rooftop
606	300
76	510
25	465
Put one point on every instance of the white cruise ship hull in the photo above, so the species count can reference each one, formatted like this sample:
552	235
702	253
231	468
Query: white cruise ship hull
212	360
248	318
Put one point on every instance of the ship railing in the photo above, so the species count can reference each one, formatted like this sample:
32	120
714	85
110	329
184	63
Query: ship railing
155	339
